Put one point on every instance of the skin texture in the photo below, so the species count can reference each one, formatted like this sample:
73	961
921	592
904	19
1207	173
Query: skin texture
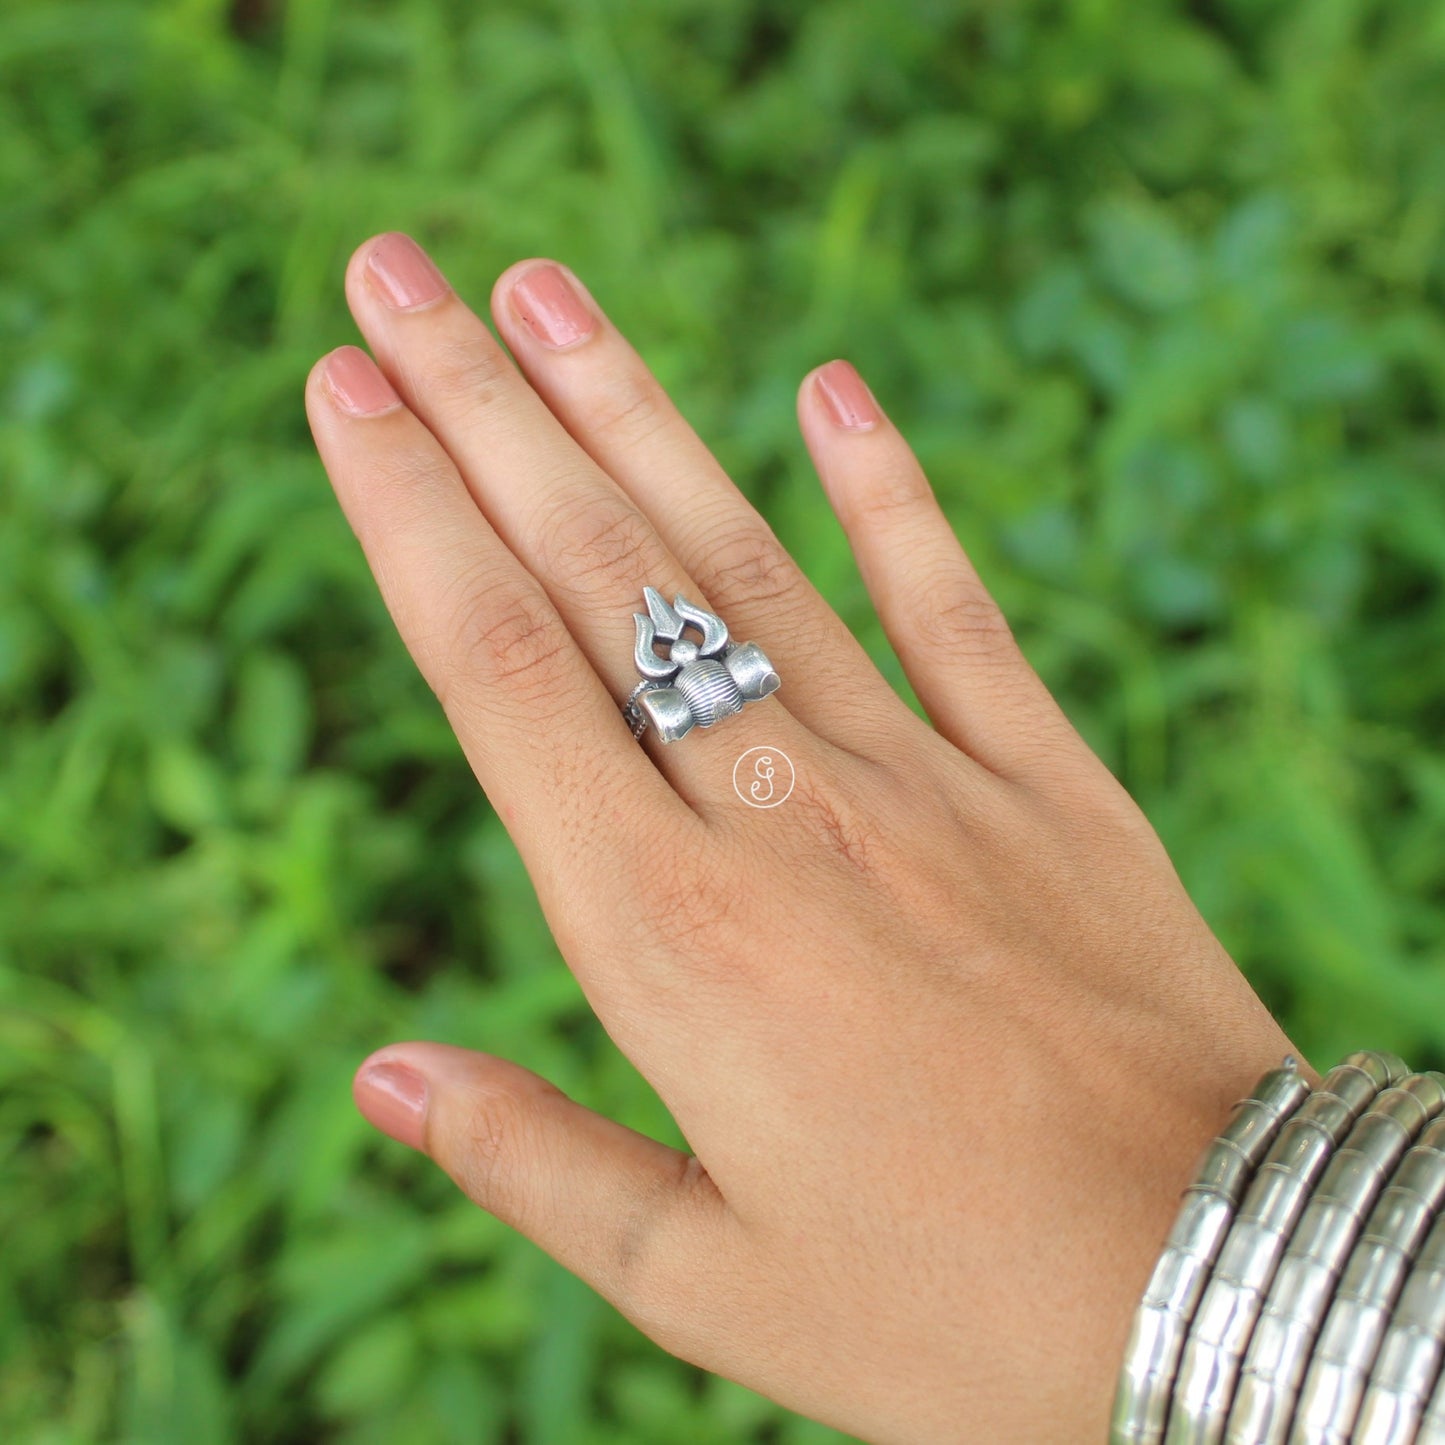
944	1032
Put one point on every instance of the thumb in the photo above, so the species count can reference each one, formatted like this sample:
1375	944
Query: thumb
640	1222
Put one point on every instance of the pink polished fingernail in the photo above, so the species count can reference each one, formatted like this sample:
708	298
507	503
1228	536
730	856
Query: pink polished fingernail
555	314
846	397
393	1098
403	273
357	383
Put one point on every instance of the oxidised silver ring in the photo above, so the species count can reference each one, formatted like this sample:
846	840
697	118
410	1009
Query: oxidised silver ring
696	684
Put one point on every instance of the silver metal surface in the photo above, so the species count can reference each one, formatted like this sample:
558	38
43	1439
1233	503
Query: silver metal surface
1244	1270
698	683
1370	1283
1224	1169
1408	1365
1141	1402
1432	1422
1284	1336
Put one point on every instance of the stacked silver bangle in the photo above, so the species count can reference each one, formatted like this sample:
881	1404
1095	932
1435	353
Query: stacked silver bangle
1300	1296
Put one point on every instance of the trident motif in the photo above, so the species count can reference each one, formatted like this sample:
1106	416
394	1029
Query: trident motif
697	683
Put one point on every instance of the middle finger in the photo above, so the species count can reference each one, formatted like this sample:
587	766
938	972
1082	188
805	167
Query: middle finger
601	390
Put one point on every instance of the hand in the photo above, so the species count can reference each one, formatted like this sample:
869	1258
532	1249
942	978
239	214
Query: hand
943	1029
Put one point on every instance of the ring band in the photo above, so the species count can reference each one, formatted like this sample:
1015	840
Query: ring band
696	684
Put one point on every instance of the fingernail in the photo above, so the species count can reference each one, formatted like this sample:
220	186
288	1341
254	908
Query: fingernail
554	312
357	383
848	400
393	1098
403	272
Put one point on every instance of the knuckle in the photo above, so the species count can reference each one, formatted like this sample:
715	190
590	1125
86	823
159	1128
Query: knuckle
688	925
649	1283
407	481
892	491
466	373
745	560
842	830
960	615
636	411
508	638
862	834
498	1138
604	538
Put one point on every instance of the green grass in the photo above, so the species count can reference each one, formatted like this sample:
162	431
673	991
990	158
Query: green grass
1155	289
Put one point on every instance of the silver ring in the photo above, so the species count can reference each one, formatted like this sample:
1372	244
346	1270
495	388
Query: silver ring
697	683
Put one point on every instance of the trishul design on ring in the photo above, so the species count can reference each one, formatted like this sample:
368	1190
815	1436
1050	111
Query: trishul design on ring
697	683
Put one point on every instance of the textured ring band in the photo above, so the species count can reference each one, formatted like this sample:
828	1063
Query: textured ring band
697	683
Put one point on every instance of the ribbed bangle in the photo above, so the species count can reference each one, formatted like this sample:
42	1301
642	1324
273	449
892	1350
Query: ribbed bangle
1432	1423
1405	1370
1209	1368
1284	1335
1161	1323
1369	1286
1231	1318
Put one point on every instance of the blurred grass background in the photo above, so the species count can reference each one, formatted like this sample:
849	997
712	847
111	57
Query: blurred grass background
1155	288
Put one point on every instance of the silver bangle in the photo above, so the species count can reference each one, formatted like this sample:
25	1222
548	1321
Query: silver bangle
1369	1286
1408	1364
1209	1369
1300	1296
1190	1333
1161	1323
1432	1422
1284	1335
